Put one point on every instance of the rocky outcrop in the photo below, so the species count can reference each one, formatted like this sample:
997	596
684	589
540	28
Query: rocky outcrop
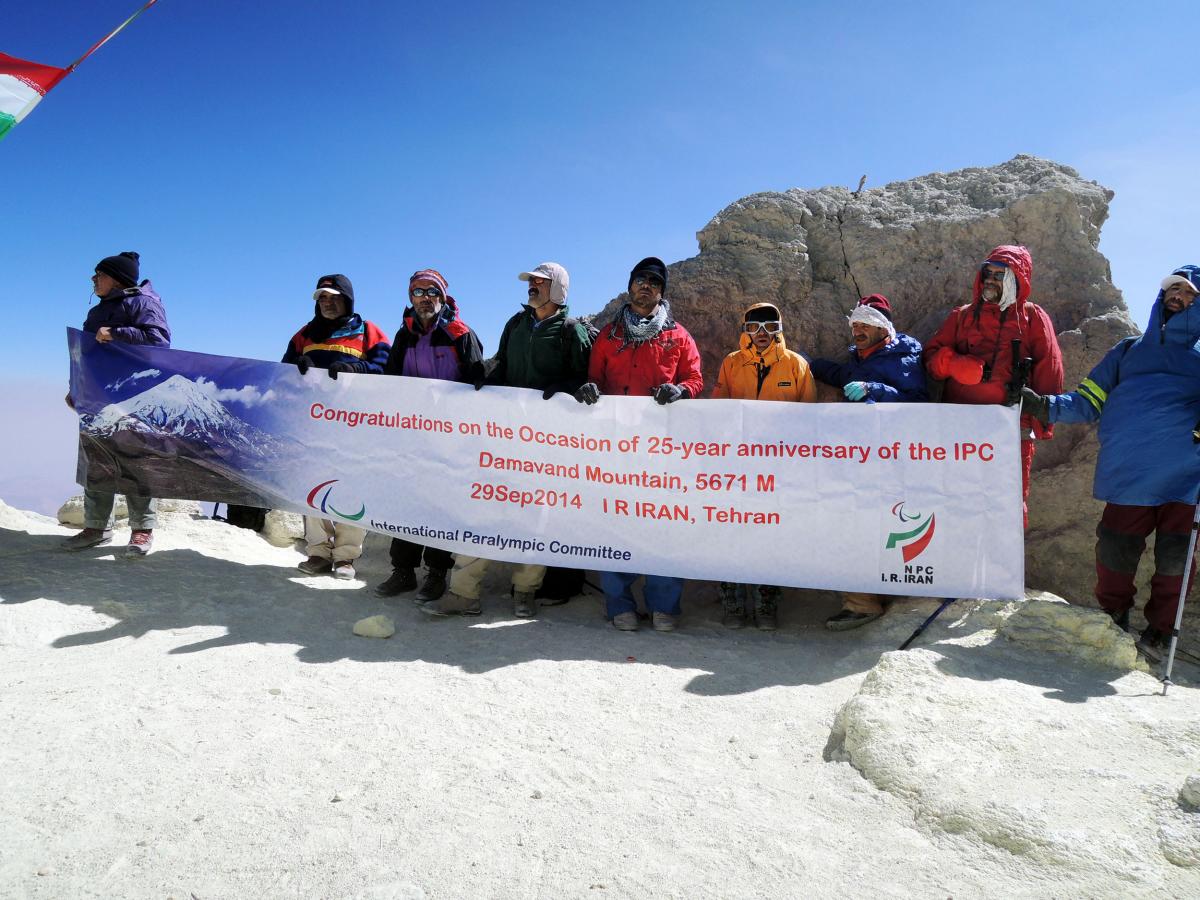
815	252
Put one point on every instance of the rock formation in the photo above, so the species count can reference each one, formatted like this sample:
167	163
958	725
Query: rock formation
815	252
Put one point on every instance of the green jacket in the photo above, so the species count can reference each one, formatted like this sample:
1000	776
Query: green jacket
541	355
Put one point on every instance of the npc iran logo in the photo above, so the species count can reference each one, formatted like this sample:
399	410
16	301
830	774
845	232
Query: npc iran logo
912	536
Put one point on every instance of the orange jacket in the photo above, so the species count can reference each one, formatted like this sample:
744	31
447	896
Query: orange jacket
776	374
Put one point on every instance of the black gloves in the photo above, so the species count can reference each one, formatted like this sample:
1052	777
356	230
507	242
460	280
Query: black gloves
304	363
549	392
588	393
1036	405
343	366
668	393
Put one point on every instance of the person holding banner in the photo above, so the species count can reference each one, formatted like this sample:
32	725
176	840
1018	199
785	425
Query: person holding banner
1145	393
883	366
763	368
643	352
975	349
129	313
337	339
541	349
433	342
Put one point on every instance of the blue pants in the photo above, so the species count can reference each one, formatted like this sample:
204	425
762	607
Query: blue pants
661	592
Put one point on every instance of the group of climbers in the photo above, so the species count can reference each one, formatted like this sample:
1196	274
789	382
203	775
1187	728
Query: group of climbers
1000	348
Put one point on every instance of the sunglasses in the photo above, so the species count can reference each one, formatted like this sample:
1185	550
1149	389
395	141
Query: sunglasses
326	294
431	293
642	280
990	274
753	328
533	279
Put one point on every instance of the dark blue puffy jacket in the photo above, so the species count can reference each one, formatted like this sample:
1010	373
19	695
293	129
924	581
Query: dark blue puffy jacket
135	315
1146	394
893	373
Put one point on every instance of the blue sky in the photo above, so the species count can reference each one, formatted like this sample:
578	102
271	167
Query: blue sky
246	148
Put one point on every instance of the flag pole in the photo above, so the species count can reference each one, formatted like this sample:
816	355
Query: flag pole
108	37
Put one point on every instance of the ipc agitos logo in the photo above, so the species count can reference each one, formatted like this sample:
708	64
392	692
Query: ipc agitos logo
325	488
912	542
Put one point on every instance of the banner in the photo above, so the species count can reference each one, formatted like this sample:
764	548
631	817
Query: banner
892	498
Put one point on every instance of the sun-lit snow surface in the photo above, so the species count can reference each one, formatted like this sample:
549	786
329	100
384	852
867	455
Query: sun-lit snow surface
203	722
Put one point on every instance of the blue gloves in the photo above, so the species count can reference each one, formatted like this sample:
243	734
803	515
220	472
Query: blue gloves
855	390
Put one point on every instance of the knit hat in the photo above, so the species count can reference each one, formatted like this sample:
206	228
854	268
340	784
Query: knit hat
560	281
1189	275
653	266
877	311
335	284
432	275
122	268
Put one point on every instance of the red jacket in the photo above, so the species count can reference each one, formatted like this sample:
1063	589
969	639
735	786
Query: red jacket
981	332
670	357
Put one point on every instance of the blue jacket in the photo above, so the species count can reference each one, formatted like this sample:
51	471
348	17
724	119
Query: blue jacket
136	316
1146	394
893	373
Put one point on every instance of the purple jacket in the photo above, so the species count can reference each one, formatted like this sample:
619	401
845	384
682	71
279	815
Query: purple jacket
136	316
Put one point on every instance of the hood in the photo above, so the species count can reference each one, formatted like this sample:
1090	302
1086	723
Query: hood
744	341
145	289
341	283
1017	258
1188	320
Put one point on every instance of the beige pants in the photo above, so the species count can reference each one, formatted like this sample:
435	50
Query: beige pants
469	571
333	540
862	603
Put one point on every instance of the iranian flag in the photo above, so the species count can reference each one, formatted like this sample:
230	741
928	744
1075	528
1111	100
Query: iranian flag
22	86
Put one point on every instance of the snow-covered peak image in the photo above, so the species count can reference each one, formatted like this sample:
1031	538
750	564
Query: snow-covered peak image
184	409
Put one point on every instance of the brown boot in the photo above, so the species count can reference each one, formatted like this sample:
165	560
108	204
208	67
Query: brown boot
451	604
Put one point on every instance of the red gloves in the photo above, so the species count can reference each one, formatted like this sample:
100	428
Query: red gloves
963	369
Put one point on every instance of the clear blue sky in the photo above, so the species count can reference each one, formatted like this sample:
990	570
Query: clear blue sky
244	148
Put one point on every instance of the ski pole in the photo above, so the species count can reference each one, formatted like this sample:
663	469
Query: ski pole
937	612
1187	571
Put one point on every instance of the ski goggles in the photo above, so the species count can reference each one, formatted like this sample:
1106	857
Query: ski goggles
753	328
431	293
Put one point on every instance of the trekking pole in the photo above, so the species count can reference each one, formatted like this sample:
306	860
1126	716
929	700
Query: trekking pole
937	612
1187	571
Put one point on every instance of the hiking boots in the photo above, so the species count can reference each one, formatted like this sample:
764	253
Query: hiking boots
1153	644
315	565
847	619
451	604
525	604
1121	620
664	621
765	611
401	581
139	544
343	569
733	607
626	621
432	587
89	537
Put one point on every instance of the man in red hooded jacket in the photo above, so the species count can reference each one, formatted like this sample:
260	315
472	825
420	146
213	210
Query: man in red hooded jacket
972	351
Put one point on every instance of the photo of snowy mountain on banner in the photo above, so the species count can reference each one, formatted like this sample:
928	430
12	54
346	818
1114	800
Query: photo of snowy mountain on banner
176	440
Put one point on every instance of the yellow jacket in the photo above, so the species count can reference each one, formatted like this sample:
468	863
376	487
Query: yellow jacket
776	374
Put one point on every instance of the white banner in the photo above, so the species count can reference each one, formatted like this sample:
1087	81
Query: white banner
909	499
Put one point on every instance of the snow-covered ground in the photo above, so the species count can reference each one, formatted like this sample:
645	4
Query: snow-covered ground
203	723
